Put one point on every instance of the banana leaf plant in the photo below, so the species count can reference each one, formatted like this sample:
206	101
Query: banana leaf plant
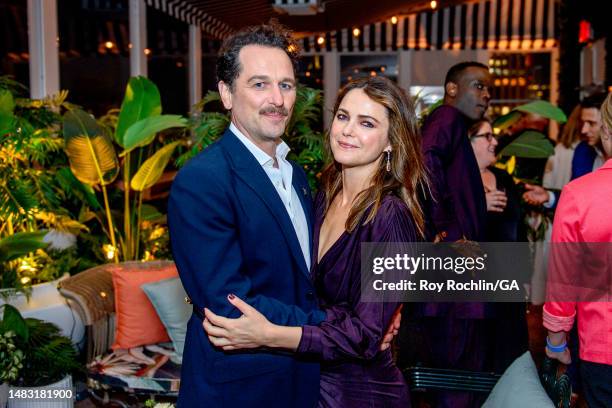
529	144
95	162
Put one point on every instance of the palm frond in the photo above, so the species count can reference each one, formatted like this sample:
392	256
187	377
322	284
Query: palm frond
208	128
17	199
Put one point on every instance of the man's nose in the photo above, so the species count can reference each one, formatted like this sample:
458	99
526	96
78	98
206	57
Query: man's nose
276	97
486	94
585	128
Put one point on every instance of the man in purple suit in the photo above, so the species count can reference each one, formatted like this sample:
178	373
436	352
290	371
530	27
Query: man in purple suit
457	211
458	207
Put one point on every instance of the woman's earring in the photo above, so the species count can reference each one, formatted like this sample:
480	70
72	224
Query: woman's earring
388	159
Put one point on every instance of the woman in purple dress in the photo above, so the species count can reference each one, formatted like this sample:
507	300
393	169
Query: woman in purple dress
369	193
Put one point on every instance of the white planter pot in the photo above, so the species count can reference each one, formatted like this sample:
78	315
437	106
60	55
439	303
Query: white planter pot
3	394
63	387
46	303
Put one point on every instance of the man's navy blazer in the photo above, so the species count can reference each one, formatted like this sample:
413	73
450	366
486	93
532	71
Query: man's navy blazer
230	233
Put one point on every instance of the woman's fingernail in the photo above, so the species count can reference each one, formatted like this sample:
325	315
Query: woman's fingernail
231	296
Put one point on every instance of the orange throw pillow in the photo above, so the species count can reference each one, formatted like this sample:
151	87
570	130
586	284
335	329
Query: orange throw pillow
137	323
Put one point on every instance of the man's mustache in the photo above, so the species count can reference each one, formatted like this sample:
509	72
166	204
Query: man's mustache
280	111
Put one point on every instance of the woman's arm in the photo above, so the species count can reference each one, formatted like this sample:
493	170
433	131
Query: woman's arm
251	330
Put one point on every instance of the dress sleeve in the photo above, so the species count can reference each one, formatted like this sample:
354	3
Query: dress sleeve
354	332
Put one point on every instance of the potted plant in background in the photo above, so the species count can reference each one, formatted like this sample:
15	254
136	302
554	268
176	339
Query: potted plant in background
11	363
90	147
46	358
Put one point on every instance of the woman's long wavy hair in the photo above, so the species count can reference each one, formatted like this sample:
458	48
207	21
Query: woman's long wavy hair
407	178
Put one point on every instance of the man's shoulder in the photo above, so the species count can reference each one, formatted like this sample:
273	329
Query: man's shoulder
443	116
210	163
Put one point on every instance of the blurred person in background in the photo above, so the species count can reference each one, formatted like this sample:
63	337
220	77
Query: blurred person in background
583	216
508	324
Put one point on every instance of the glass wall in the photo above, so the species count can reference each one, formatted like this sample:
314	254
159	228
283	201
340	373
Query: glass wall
94	52
518	78
14	57
360	66
168	46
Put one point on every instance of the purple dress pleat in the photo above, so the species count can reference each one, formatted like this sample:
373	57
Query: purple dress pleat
354	373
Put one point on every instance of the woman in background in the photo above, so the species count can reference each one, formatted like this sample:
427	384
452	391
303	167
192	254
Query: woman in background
504	224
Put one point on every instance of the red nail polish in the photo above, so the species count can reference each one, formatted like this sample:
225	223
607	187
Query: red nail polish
231	296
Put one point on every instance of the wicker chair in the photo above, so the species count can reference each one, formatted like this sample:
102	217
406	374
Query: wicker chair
93	294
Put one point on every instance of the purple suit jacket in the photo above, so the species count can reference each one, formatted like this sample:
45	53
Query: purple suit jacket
458	206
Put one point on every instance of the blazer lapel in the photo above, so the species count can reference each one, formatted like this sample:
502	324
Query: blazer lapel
250	171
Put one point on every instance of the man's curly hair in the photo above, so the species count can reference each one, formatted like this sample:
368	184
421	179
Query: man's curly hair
272	35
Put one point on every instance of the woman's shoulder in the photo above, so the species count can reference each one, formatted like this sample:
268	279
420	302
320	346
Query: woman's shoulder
394	218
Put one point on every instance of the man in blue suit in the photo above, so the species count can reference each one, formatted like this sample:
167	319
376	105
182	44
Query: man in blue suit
240	223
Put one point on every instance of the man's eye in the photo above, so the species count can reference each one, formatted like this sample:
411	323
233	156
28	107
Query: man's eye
286	86
480	87
259	85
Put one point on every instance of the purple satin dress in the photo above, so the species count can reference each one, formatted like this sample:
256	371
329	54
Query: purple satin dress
354	373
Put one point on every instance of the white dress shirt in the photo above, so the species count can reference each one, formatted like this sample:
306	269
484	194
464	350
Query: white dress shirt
280	177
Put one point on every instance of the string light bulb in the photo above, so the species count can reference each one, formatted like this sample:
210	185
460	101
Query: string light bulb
433	4
356	32
394	20
109	251
321	40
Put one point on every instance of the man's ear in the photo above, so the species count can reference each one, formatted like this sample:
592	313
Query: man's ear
451	89
226	94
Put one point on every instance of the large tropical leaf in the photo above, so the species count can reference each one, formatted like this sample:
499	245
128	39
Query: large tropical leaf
150	213
141	100
7	105
20	244
71	185
91	155
13	321
153	168
505	121
529	144
143	132
545	109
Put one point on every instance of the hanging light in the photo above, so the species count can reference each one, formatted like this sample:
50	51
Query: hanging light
433	4
321	40
356	32
394	20
147	51
109	44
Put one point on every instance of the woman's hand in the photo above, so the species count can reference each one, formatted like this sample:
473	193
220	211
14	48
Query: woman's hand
246	332
496	200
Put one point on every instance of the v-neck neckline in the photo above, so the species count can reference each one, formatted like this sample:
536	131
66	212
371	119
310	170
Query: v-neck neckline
332	246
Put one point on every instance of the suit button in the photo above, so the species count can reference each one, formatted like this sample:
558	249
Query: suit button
310	295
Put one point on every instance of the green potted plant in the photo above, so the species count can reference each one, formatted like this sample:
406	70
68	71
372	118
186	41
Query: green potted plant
33	186
47	359
90	147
